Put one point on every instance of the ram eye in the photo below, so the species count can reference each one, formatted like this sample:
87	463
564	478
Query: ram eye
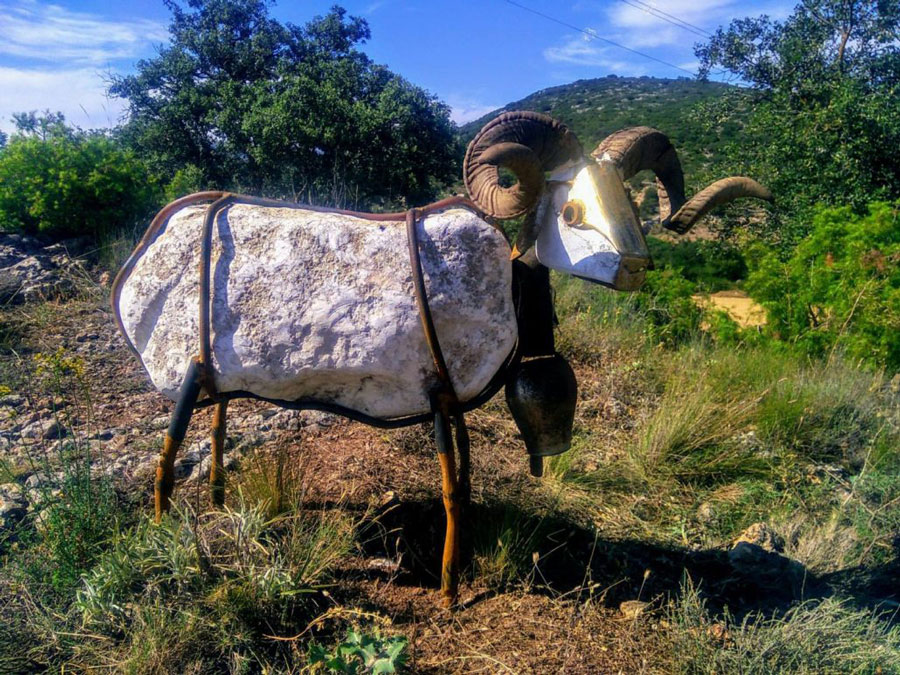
573	212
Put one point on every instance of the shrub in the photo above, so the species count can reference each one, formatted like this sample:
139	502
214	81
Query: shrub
72	184
667	299
840	288
714	265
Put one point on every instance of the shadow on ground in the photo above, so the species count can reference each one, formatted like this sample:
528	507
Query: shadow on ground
571	557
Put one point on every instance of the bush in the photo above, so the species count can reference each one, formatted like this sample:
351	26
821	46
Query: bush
714	265
673	315
71	184
840	288
361	653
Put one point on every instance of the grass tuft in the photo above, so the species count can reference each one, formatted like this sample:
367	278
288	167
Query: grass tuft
826	636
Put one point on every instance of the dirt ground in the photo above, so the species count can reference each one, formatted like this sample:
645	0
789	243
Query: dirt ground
737	304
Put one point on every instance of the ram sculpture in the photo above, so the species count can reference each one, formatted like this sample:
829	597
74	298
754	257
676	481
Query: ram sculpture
400	318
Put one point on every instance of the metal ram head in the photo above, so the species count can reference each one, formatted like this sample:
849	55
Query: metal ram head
580	218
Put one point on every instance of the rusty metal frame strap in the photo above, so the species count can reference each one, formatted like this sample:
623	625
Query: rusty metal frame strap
209	219
447	400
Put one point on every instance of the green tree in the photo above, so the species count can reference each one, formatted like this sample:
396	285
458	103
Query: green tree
825	90
285	110
60	181
42	125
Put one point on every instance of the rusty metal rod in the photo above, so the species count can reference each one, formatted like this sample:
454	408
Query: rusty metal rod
217	467
450	493
209	219
181	417
415	262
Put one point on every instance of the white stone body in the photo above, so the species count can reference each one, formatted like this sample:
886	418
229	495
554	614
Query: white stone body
319	305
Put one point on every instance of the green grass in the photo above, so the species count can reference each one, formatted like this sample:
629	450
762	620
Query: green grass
826	636
724	435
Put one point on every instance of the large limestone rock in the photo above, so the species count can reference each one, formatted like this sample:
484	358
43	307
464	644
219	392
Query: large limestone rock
321	305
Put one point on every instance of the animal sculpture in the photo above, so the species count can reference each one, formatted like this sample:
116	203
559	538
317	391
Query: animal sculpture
400	318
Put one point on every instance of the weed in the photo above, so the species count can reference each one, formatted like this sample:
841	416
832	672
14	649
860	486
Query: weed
232	576
694	435
506	545
361	652
275	481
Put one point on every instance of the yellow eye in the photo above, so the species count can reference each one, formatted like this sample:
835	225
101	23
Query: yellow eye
573	212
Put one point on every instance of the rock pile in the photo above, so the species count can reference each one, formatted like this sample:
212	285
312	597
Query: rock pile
31	271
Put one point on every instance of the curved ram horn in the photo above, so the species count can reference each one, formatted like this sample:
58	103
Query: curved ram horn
640	148
713	195
526	143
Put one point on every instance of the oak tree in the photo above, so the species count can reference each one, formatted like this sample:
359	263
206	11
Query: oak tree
243	102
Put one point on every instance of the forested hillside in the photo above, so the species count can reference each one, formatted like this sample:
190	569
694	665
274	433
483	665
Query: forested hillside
595	108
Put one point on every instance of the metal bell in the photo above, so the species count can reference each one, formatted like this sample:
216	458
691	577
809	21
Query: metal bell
541	394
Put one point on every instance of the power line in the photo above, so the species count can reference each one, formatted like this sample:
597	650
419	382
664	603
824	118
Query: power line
595	36
652	10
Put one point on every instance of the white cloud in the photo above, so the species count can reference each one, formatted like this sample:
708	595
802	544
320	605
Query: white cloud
653	32
375	6
465	108
654	24
581	51
699	14
57	59
80	94
45	32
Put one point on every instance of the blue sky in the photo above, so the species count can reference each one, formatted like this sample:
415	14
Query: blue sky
475	56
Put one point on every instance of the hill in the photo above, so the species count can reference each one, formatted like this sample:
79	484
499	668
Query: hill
595	108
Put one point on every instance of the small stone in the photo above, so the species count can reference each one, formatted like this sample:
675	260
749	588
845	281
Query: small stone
145	468
13	506
384	565
11	400
184	466
105	434
229	462
756	555
388	499
160	422
45	429
763	536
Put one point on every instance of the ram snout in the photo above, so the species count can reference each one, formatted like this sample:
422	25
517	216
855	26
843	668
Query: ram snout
589	228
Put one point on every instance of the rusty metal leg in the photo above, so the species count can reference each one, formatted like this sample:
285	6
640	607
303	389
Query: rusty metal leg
465	464
217	468
450	490
184	409
465	491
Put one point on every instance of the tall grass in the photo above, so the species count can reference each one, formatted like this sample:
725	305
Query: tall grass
826	636
722	434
